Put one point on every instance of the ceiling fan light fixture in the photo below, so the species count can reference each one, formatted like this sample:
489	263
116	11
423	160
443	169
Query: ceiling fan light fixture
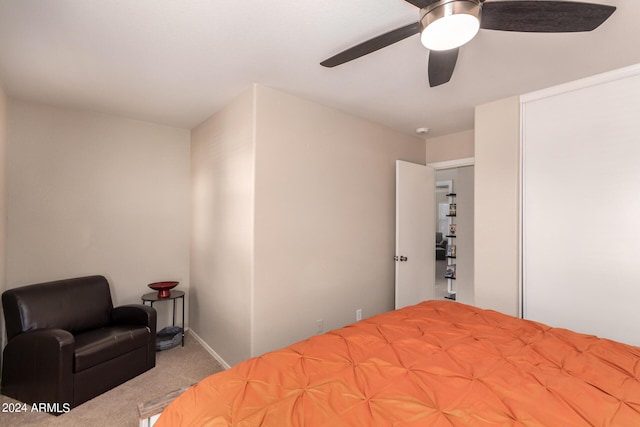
448	24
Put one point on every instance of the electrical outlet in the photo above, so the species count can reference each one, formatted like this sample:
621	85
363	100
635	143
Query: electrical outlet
319	326
358	314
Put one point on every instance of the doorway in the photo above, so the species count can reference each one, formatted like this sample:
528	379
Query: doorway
444	286
454	185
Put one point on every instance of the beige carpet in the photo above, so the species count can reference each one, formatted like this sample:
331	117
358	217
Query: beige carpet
174	369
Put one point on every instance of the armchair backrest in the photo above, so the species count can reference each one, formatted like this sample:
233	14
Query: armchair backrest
74	305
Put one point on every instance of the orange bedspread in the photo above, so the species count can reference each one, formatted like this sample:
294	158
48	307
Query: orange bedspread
437	363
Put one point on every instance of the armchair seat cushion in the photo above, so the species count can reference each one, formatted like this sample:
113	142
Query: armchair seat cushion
100	345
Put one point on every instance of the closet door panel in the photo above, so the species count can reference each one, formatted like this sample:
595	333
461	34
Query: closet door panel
581	207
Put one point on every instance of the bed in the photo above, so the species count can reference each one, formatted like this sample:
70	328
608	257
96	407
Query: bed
438	363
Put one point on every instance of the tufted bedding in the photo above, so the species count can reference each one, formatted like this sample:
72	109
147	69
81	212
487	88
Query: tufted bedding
438	363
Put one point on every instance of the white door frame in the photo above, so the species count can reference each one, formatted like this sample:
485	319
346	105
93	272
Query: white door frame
450	164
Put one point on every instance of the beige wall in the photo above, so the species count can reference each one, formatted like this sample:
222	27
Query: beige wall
450	147
90	193
293	221
325	217
222	176
497	205
3	202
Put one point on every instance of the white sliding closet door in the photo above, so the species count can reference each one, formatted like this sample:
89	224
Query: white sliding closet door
581	206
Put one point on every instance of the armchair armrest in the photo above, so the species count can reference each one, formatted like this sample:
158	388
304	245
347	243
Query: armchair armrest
138	314
38	367
135	314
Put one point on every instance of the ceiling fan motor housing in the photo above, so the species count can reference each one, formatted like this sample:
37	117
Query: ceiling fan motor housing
451	7
458	32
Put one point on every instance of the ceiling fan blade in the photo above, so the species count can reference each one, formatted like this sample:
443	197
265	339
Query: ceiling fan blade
372	45
441	66
544	16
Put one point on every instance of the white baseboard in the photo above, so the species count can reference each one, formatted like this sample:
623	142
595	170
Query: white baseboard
215	355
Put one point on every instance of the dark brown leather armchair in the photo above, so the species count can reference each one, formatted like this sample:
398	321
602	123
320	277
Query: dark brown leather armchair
68	344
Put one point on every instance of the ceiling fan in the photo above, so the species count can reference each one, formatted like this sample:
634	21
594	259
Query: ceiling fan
445	25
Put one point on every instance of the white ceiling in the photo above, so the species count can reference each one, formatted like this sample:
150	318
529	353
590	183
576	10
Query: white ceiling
178	61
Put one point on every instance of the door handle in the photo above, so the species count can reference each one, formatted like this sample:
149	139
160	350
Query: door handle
403	258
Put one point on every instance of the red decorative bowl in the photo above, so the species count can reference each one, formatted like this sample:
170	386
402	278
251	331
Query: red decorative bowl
163	288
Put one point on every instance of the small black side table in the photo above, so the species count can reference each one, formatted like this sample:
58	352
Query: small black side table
175	295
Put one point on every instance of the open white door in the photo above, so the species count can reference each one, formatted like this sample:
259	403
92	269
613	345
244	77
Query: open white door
415	233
